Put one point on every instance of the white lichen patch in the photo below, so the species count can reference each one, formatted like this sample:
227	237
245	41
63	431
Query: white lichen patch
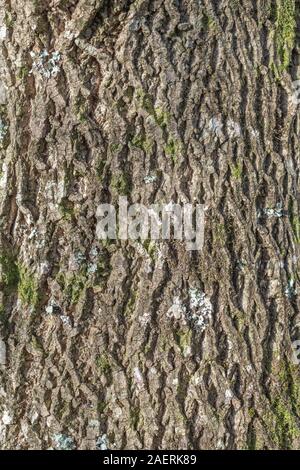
92	268
200	309
69	35
7	418
144	320
46	64
64	442
290	290
102	443
117	412
65	320
198	314
254	133
94	253
52	307
79	257
34	417
44	268
294	97
187	351
177	311
3	32
2	353
3	93
215	126
3	130
233	129
138	378
218	129
33	234
150	179
276	212
228	396
196	380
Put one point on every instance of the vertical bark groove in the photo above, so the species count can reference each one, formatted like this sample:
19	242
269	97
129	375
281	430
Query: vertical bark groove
196	95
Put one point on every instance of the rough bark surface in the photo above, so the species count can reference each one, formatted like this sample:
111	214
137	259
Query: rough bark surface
98	340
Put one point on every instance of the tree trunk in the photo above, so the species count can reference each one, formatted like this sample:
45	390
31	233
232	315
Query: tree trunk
132	344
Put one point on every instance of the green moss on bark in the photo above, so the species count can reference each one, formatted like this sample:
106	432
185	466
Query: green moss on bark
285	30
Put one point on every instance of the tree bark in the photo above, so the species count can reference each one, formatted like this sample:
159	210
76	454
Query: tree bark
159	100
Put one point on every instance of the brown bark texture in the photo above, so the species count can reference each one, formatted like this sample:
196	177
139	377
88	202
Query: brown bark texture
142	344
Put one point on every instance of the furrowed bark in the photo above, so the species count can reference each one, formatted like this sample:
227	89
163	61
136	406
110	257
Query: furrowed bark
198	97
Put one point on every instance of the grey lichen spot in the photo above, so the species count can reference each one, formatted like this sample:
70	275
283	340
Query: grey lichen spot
234	129
215	126
177	311
2	353
198	312
3	94
136	24
7	418
200	309
79	258
52	308
276	212
3	32
92	268
3	130
65	320
150	179
64	442
102	442
290	290
46	64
